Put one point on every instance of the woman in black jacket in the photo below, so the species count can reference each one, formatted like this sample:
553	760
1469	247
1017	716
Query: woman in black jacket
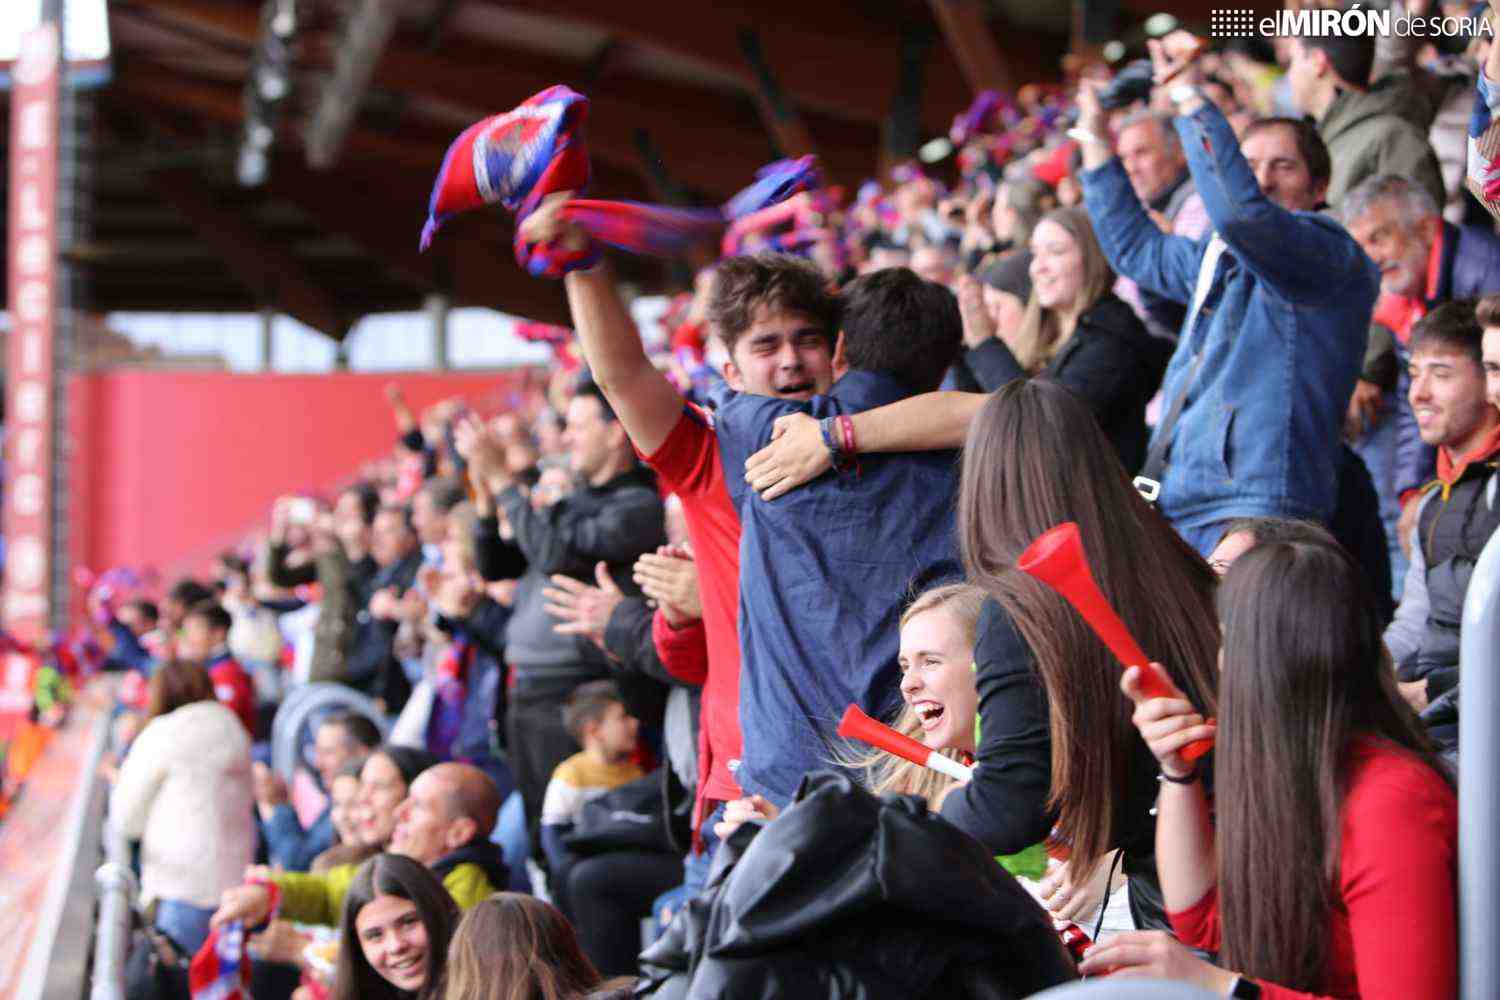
1075	330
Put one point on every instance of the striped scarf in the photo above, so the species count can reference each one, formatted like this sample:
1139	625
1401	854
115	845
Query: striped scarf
520	157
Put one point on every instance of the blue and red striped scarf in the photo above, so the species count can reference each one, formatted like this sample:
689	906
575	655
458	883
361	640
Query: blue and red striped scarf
221	969
518	158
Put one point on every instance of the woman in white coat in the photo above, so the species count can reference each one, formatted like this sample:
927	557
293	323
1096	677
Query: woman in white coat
184	792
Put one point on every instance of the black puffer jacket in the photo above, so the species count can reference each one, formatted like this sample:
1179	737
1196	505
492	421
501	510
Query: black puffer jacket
1110	362
850	896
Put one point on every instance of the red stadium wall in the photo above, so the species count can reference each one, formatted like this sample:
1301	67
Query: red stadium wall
168	468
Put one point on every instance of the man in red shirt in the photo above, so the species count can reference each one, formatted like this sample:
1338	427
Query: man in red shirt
786	351
205	640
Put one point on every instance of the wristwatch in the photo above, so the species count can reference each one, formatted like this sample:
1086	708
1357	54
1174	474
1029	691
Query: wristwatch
1184	92
1245	989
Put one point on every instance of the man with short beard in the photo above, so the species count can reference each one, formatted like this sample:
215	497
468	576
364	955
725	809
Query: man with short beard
1424	261
1458	511
601	527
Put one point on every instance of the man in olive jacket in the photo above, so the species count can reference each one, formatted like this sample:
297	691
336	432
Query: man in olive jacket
445	823
1369	129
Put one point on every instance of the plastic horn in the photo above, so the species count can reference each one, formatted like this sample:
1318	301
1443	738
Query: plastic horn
856	725
1056	558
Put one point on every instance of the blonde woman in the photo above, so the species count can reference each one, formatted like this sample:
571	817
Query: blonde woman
1075	331
940	701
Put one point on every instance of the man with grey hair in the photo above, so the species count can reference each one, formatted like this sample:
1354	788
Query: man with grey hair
1424	261
1151	154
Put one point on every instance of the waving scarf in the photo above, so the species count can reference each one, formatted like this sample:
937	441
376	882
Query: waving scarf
518	158
559	338
1484	145
221	969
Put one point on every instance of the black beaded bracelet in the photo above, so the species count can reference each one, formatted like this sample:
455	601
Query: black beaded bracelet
1187	779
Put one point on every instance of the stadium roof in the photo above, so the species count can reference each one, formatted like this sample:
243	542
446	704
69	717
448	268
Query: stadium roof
359	99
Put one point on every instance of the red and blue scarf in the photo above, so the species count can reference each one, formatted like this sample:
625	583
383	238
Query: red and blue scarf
221	969
520	157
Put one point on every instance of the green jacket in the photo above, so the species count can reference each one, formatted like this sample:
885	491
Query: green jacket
1375	132
319	899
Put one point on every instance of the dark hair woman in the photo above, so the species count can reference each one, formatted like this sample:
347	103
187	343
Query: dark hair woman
1057	752
516	947
1334	870
394	932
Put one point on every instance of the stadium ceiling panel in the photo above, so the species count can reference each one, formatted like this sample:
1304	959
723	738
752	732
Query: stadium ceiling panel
200	192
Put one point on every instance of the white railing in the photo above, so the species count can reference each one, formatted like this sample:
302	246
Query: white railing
117	891
1478	791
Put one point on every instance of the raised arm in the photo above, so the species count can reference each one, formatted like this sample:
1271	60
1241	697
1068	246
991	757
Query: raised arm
1304	256
798	454
560	539
1136	248
1184	834
647	404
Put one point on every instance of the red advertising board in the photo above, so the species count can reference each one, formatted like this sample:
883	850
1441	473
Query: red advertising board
27	517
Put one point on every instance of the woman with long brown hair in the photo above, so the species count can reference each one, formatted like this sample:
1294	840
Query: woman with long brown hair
516	947
1074	329
394	932
1334	868
1058	756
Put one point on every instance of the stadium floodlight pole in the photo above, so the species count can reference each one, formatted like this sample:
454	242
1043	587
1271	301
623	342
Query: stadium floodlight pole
1478	780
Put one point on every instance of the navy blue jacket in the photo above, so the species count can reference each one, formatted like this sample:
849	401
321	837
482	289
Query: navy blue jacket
1281	333
824	574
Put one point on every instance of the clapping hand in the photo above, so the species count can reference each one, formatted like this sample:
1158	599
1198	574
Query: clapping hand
582	609
669	576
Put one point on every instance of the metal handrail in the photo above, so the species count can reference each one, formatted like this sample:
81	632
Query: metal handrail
117	888
1478	795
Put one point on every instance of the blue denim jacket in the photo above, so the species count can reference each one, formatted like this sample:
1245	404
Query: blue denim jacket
1281	333
824	574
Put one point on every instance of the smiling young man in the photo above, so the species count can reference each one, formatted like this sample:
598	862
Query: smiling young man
823	571
1458	511
777	318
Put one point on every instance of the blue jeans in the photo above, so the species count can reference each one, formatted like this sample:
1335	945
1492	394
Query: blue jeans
184	923
510	834
695	869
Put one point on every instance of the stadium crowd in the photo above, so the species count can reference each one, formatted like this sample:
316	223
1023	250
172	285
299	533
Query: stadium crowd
1239	322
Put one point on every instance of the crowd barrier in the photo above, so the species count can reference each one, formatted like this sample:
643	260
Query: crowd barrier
1478	795
117	889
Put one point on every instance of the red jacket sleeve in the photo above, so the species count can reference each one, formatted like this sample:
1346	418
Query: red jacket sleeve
1198	925
683	651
